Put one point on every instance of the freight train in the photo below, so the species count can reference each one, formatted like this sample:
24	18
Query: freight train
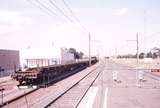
50	74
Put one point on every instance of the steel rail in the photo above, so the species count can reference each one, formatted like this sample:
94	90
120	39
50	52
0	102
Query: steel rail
34	90
58	97
18	97
89	87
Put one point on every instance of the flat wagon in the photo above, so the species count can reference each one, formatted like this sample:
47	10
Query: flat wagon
49	74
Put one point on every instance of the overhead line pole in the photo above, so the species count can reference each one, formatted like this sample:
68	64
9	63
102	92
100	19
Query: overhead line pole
137	49
137	60
137	56
89	49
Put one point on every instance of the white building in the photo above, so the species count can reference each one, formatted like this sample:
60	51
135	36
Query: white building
66	56
45	57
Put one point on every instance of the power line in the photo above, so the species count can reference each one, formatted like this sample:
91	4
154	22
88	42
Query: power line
46	7
42	7
51	13
60	10
34	4
89	45
75	17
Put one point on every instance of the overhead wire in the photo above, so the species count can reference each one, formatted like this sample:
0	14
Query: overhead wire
46	7
60	10
43	8
51	13
64	14
74	16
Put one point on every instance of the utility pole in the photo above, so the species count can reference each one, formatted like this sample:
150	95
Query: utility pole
98	48
137	70
89	49
137	50
137	58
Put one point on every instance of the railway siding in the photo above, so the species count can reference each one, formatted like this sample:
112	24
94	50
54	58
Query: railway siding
15	95
63	86
73	97
52	90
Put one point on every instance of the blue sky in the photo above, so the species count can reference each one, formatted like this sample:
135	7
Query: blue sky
110	22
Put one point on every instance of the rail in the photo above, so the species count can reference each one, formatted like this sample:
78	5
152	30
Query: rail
58	97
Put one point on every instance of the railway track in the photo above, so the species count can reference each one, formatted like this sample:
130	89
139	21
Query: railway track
98	71
27	94
14	98
34	89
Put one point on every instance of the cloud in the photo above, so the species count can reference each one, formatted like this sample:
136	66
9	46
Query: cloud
12	20
121	11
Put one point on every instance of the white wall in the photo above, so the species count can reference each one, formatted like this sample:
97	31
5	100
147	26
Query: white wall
66	56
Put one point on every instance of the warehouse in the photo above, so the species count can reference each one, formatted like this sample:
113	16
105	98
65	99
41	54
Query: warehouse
9	61
45	57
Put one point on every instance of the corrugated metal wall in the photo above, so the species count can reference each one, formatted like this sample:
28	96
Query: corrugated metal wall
9	60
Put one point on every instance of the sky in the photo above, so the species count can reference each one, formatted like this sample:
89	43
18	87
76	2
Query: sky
111	23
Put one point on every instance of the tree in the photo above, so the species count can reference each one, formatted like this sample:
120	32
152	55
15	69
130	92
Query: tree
77	55
157	51
149	55
141	55
72	50
81	54
155	55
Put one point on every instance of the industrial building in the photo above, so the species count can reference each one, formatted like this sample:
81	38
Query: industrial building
9	62
45	57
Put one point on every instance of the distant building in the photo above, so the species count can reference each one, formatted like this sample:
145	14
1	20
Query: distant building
66	56
9	62
45	57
